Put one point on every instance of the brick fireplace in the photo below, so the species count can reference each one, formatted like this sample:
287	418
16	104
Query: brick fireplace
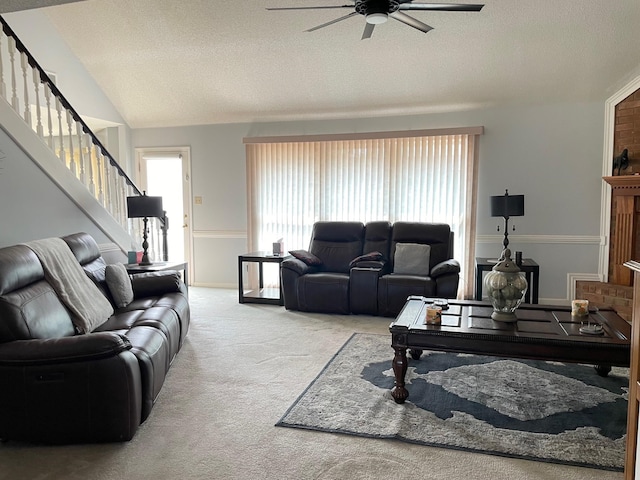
624	236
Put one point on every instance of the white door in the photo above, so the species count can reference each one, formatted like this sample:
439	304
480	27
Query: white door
166	172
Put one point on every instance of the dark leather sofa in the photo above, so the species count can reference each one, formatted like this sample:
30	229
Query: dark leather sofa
57	386
353	268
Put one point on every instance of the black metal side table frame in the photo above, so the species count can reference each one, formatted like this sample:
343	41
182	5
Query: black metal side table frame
271	296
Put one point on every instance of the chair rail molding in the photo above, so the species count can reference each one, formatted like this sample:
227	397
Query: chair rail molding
220	234
549	239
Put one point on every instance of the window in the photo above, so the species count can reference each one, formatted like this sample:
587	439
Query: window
422	176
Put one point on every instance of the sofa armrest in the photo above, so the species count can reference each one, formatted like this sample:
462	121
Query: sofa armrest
363	288
446	267
152	284
291	269
85	388
381	265
297	266
79	348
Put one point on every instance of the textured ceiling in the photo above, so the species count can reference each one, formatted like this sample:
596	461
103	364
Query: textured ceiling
171	63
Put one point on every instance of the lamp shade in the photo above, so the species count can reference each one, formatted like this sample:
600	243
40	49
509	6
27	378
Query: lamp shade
507	206
144	206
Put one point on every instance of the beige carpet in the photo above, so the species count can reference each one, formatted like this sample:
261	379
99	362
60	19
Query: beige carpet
241	368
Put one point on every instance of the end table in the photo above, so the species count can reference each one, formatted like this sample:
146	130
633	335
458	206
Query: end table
268	295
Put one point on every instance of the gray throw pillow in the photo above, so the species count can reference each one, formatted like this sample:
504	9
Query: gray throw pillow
119	284
412	259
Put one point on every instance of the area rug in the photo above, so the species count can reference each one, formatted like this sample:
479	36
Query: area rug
545	411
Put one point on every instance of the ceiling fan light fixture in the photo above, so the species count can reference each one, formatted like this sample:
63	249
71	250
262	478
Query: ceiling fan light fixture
376	18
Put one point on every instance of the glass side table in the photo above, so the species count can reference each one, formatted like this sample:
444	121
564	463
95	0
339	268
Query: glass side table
270	295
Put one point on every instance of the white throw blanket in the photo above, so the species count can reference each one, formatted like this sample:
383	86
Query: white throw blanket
89	308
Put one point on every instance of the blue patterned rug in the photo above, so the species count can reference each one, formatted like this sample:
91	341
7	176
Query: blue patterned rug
545	411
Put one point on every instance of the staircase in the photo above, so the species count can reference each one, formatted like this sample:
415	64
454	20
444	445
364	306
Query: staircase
40	119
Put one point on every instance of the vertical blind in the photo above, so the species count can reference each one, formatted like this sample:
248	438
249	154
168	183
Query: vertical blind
428	178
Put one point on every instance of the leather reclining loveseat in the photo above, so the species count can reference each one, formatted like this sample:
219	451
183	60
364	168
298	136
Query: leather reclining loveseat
370	269
60	386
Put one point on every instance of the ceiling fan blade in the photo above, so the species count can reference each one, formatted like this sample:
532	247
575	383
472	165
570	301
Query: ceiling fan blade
368	30
309	8
412	22
441	7
332	22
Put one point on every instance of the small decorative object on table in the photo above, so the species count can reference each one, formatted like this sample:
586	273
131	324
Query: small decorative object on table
580	309
434	315
519	259
506	286
278	247
442	303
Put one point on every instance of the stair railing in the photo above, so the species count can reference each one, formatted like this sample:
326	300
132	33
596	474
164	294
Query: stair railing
36	99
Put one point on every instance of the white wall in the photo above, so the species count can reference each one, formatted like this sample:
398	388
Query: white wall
552	154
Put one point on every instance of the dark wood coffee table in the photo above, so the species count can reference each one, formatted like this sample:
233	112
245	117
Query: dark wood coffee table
542	332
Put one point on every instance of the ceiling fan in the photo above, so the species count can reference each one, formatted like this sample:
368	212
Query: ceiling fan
378	11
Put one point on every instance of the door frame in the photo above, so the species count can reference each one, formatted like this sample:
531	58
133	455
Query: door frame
187	223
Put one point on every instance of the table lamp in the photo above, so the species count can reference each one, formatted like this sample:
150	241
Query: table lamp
507	206
506	285
143	206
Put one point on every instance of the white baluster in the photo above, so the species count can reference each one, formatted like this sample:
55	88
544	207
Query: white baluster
61	153
3	86
117	193
47	97
99	168
24	63
72	158
108	201
81	157
14	86
36	83
122	194
89	157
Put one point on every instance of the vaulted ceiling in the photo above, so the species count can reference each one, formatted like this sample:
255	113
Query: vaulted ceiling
169	63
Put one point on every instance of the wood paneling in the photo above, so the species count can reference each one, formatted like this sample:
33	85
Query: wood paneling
634	372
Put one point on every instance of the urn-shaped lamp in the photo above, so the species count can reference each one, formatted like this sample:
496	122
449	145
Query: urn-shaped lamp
506	285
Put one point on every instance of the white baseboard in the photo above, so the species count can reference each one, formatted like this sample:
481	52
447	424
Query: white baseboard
215	285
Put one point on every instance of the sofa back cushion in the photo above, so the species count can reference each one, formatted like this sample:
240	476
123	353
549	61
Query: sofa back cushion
377	236
336	244
437	235
84	248
87	252
29	307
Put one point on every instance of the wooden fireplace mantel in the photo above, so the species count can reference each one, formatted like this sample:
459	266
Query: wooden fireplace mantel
625	189
624	184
